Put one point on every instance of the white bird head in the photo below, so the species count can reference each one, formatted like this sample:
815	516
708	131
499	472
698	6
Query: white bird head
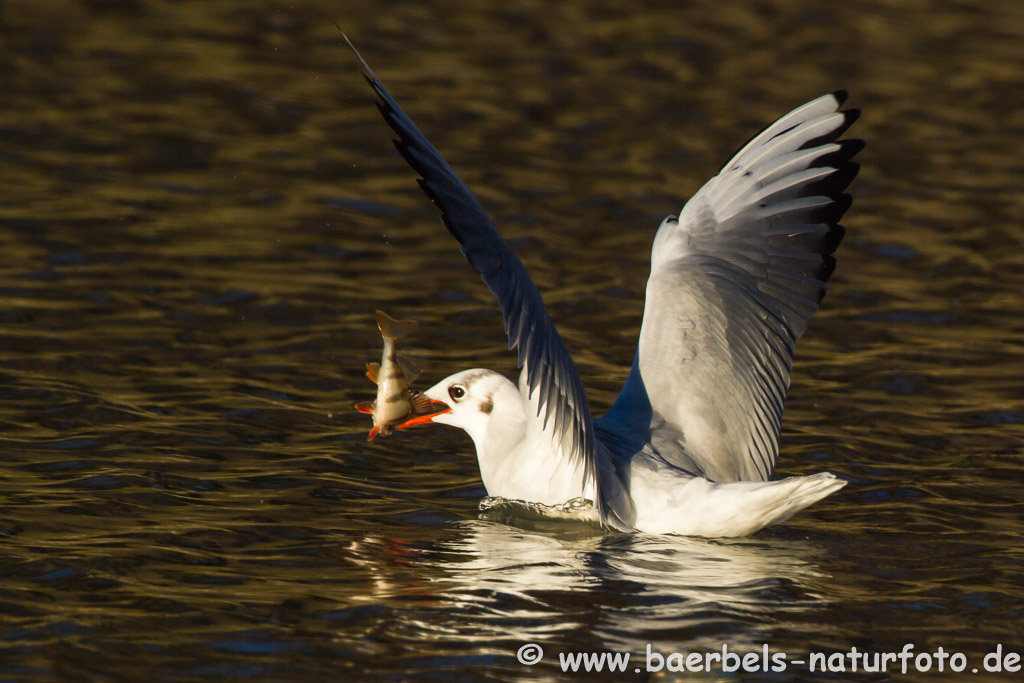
485	404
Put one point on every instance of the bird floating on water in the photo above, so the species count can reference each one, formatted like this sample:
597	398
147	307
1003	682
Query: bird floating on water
691	442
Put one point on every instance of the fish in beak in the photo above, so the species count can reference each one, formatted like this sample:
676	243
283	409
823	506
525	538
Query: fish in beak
396	407
424	410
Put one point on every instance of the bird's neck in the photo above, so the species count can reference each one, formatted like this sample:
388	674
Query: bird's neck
517	463
499	436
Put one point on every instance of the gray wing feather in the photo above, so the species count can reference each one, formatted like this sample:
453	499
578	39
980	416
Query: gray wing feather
549	376
734	280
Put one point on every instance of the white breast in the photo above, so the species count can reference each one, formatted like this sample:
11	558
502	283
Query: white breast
533	470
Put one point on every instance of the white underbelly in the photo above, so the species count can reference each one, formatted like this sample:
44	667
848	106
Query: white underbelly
673	503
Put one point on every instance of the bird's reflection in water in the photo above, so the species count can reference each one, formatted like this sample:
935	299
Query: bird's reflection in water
545	581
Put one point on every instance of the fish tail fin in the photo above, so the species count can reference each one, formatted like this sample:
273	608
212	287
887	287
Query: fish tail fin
394	329
373	372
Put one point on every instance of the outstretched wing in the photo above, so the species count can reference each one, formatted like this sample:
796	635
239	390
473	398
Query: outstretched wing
734	280
549	377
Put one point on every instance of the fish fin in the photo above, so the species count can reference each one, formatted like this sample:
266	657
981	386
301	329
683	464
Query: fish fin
373	434
394	329
373	372
421	404
409	368
365	407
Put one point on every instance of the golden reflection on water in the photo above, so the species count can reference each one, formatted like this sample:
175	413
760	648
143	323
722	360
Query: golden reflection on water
201	211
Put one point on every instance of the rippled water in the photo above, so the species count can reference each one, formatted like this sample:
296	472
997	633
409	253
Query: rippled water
200	211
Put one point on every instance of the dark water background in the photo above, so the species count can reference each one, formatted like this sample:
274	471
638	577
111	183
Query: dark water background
200	210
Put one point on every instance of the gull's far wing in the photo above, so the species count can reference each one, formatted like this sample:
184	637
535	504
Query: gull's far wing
549	376
734	280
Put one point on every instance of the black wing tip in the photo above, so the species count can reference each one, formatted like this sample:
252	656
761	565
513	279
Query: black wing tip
841	157
847	150
831	242
852	147
838	208
828	266
850	117
848	172
835	183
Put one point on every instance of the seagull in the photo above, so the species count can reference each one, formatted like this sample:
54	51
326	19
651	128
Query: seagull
690	444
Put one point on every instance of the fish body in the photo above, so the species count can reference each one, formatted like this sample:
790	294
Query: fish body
395	406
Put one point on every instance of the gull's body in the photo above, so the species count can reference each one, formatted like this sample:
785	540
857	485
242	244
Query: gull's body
690	443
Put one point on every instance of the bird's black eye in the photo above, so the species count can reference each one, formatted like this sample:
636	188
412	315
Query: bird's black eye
456	391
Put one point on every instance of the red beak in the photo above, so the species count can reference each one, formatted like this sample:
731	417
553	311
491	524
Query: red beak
434	409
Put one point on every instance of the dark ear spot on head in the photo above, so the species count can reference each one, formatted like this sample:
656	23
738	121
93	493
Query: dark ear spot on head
487	405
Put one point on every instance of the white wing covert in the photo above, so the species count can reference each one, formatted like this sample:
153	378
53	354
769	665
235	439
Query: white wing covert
734	280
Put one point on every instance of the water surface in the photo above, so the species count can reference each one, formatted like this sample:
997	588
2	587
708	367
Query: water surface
200	211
